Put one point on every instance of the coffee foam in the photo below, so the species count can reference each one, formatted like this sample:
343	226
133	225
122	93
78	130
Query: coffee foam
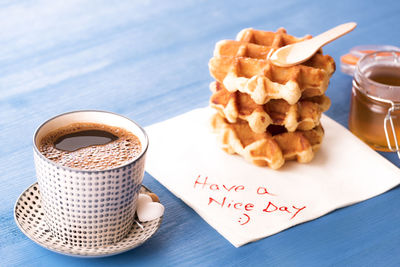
99	157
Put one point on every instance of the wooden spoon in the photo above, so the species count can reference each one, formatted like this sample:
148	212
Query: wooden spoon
299	52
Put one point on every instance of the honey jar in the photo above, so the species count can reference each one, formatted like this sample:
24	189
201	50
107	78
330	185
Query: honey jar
375	101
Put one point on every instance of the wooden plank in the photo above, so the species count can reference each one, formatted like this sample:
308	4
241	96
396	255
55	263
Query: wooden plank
148	60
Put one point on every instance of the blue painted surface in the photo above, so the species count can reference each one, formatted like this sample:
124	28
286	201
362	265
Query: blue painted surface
148	60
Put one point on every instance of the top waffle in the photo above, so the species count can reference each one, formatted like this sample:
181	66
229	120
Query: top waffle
243	66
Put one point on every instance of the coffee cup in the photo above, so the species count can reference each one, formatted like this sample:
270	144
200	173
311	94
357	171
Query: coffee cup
85	204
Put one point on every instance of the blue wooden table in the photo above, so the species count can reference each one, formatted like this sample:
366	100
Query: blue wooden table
148	60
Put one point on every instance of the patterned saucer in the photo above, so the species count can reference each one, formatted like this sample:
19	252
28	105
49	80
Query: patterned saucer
29	216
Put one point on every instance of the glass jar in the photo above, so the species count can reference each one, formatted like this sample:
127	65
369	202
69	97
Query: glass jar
375	101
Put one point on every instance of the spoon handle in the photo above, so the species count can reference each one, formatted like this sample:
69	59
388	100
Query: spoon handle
334	33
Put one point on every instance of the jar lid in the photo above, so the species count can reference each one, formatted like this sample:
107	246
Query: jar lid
349	61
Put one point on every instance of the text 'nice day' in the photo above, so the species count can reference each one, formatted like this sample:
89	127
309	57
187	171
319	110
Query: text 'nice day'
247	207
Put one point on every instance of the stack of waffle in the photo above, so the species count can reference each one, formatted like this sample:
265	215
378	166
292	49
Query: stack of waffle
268	114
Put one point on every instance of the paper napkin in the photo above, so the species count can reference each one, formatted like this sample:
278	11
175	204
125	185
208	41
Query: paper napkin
244	202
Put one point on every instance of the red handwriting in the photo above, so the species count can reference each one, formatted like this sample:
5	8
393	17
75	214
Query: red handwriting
262	191
231	204
202	183
272	208
244	219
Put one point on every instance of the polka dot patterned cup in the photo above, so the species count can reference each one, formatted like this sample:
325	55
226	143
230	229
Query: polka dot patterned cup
89	208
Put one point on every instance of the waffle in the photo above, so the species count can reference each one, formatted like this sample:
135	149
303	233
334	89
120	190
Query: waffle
270	148
304	115
243	66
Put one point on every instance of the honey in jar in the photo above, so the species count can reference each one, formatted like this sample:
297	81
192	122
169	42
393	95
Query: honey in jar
375	101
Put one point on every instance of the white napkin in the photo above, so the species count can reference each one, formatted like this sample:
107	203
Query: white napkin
244	202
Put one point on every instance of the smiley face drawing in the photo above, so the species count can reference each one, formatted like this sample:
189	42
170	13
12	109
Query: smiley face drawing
244	219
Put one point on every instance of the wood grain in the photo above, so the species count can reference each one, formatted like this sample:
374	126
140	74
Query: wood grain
148	60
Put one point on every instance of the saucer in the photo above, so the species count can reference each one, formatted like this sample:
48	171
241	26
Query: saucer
29	216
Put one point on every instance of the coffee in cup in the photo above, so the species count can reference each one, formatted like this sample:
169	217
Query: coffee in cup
90	146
